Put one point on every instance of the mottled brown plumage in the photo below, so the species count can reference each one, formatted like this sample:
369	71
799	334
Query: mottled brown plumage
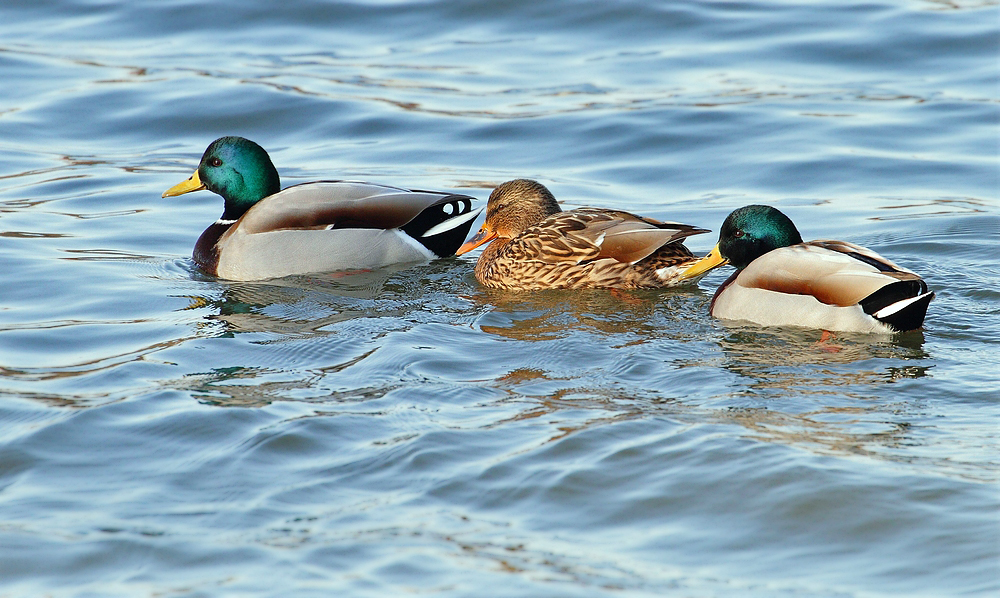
535	245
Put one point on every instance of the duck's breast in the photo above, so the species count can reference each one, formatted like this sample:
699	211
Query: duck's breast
774	308
273	254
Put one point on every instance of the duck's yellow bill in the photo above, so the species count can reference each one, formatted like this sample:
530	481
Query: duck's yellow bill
186	186
484	235
714	259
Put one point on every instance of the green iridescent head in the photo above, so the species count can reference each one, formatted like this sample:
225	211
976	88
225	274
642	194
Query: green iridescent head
752	231
237	169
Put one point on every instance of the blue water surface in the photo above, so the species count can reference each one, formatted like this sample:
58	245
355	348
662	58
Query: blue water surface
407	432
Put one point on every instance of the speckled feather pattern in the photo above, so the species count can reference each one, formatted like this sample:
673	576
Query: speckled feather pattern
569	250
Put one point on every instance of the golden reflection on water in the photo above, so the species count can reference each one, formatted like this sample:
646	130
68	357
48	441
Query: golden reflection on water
834	430
545	315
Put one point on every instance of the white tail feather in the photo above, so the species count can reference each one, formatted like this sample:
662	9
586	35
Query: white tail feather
892	308
453	222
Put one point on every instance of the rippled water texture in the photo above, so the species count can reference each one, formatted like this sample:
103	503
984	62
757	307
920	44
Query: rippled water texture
163	433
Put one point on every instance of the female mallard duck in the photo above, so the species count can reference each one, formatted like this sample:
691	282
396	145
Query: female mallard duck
833	285
267	232
535	245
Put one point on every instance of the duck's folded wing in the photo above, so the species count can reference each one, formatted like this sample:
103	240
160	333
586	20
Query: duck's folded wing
834	272
588	234
859	253
344	204
632	238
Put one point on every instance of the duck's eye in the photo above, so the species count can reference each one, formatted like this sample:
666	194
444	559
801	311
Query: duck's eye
738	233
215	162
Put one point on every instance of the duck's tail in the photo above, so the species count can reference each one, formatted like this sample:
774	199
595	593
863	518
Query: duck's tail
901	305
443	227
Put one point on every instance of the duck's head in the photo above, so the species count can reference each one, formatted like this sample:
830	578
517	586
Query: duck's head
747	234
512	208
237	169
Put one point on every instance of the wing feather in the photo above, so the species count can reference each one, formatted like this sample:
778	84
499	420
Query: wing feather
586	234
338	204
834	272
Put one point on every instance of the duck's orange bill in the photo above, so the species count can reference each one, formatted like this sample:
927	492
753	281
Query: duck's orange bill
714	259
186	186
484	235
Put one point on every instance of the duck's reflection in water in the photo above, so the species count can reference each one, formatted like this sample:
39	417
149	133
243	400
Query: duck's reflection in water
809	361
569	360
786	385
641	315
301	320
827	393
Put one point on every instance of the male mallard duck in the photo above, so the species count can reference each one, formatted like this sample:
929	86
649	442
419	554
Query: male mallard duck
267	232
833	285
535	245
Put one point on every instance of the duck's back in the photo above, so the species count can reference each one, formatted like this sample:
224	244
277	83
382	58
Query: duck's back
338	225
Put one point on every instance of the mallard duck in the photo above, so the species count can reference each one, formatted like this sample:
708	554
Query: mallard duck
832	285
535	245
269	232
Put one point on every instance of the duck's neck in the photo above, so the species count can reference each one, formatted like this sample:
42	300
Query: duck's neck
235	209
242	195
